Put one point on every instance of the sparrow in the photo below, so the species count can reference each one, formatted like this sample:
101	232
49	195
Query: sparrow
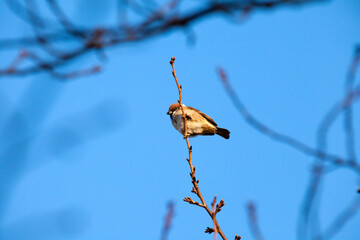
197	122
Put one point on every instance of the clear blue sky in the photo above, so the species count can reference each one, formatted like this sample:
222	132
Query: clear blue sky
99	159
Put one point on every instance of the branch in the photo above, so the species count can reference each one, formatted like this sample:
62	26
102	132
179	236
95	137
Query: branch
194	181
285	139
154	21
309	216
313	192
348	113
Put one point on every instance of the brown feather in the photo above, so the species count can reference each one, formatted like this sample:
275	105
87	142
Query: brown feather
209	119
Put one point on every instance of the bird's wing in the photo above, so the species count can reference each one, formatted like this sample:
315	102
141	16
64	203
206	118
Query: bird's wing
204	115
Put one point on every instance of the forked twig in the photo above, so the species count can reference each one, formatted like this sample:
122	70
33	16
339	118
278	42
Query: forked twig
194	181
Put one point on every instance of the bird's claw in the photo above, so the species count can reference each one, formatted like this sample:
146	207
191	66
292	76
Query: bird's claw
186	135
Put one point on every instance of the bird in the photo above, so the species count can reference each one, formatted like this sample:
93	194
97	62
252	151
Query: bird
197	122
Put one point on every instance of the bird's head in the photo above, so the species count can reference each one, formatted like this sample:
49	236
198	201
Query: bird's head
173	108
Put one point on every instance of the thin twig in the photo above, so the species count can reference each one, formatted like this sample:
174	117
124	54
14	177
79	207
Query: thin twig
214	215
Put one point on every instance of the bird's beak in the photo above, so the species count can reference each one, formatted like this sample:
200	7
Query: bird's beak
168	113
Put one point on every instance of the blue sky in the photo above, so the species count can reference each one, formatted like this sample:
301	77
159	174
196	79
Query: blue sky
99	159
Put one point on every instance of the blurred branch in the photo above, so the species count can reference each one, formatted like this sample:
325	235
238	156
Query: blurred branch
348	113
253	221
155	21
309	218
285	139
340	221
22	12
64	20
36	24
168	220
194	181
26	55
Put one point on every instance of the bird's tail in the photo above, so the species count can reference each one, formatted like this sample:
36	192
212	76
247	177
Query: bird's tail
223	132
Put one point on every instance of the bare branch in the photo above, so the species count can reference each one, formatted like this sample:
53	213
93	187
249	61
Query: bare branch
309	218
154	20
285	139
195	182
213	215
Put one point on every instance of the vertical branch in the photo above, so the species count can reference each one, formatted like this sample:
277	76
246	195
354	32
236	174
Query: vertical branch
308	218
172	62
194	181
253	221
348	112
213	215
168	220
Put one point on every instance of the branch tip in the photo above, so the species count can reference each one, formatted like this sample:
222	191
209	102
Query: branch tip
172	61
